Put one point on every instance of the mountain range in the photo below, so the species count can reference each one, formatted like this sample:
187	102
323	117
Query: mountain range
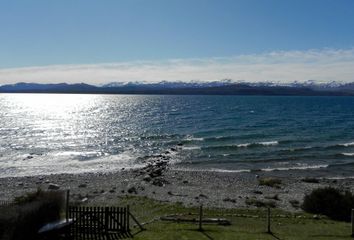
224	87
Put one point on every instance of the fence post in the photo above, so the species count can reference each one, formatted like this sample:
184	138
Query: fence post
268	221
127	221
352	223
200	217
106	220
67	205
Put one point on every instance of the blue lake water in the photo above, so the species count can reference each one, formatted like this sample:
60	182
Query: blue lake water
55	133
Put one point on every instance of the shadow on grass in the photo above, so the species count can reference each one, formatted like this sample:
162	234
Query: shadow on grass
203	232
206	234
332	236
137	232
274	236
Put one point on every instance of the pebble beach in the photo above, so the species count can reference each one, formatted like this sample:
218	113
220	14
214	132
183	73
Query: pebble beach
191	188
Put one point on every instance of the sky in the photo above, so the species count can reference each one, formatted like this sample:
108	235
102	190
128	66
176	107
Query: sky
97	42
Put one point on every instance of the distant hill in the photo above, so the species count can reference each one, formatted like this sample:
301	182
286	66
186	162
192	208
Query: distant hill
48	88
224	87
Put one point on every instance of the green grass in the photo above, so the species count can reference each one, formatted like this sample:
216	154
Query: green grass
246	223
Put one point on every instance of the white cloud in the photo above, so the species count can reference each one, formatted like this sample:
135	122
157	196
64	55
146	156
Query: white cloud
283	66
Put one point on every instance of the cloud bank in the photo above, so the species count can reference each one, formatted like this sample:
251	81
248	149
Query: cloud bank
283	66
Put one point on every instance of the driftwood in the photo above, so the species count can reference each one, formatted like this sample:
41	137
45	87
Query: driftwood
178	218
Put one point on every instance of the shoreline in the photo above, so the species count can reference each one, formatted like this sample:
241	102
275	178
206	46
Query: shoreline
191	188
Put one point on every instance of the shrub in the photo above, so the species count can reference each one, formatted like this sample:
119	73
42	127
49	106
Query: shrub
259	203
310	180
269	181
294	203
33	210
330	202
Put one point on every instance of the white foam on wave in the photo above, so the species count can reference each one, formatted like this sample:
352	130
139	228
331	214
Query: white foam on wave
214	170
347	144
244	145
190	138
348	154
191	148
299	167
86	154
56	164
268	143
340	178
229	171
303	167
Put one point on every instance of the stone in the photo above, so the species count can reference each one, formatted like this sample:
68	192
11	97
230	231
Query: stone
132	190
83	185
229	200
53	186
272	196
156	173
160	182
203	196
20	184
147	178
84	200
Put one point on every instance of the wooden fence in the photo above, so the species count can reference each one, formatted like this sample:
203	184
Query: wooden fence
99	222
5	203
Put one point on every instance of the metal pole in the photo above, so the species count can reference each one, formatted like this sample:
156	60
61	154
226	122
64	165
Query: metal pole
352	223
200	217
268	220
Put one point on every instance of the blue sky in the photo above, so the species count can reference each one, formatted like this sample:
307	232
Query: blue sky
41	39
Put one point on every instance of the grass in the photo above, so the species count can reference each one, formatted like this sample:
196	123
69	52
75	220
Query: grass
270	181
246	223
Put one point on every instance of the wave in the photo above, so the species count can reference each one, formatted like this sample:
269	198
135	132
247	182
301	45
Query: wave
348	164
191	139
214	170
256	170
350	144
295	168
299	149
191	148
269	143
340	145
83	154
348	154
340	178
220	138
242	145
160	137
